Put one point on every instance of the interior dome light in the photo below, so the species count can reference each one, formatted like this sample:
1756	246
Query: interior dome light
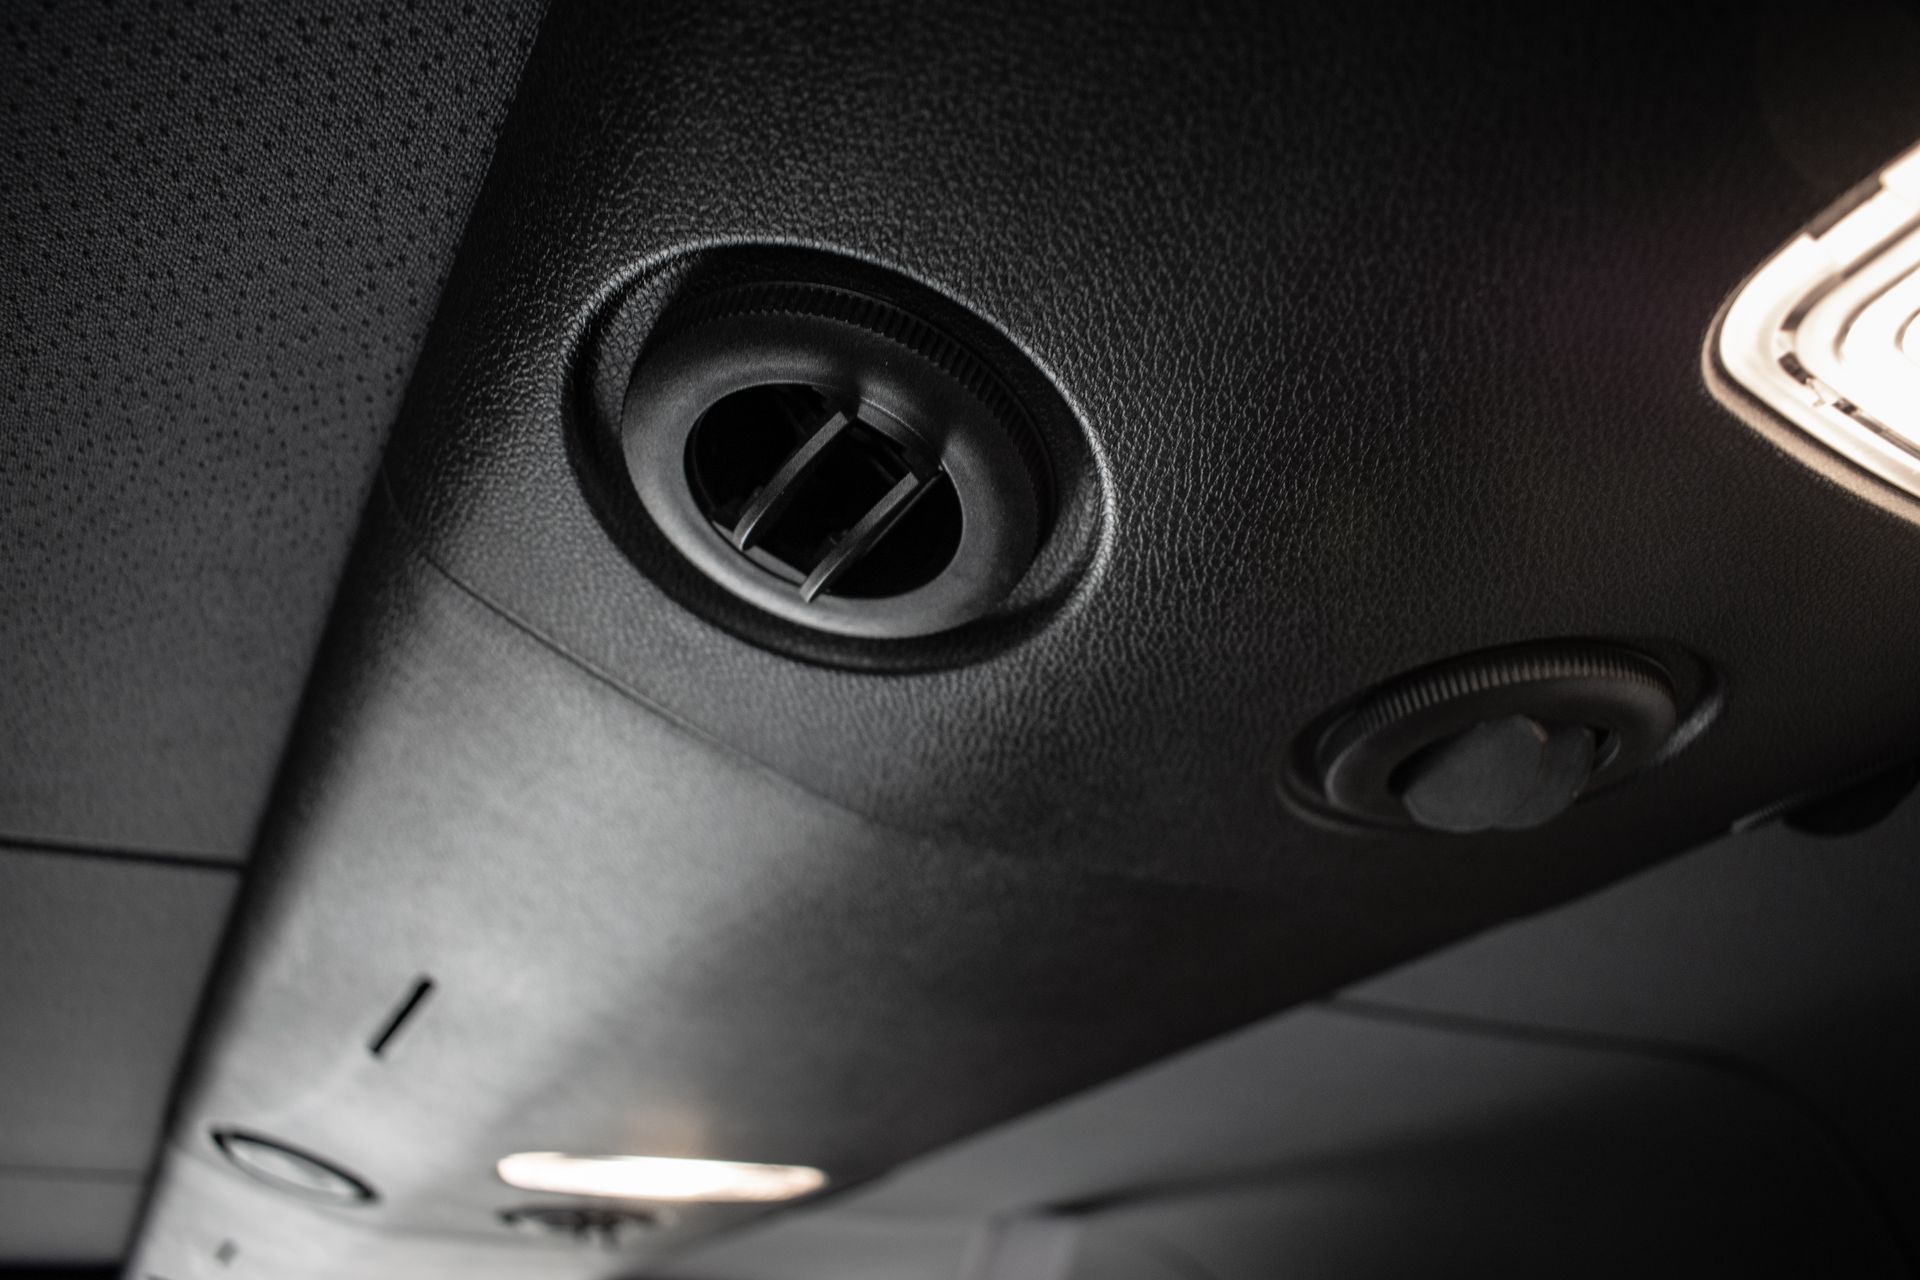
658	1177
1827	333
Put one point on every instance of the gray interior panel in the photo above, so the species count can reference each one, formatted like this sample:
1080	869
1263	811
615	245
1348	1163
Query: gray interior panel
1325	1143
101	967
1794	953
53	1218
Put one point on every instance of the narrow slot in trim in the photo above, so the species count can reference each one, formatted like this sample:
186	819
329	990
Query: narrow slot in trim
415	997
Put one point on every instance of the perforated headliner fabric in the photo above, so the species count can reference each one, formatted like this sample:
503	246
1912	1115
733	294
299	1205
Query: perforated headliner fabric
223	230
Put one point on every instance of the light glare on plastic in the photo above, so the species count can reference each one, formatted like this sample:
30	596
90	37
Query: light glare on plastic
658	1178
1827	333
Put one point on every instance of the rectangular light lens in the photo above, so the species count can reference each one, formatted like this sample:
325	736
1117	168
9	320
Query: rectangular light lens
1827	333
658	1177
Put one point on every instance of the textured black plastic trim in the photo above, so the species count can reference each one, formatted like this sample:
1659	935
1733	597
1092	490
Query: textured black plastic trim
827	302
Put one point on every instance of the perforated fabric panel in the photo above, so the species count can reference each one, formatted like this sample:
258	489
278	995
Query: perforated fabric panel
222	232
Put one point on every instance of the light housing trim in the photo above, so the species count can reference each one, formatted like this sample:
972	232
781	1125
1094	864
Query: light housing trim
1825	335
668	1178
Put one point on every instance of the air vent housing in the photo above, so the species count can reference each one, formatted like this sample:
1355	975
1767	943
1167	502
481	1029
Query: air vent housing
834	460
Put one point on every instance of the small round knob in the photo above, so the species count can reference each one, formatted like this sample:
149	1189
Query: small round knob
1510	772
1504	739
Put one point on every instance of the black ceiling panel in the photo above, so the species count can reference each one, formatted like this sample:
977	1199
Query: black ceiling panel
1376	331
639	941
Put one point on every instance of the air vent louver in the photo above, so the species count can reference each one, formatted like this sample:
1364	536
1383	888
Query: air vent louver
835	461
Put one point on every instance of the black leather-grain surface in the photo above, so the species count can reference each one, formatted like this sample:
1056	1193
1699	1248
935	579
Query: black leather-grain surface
1385	324
222	233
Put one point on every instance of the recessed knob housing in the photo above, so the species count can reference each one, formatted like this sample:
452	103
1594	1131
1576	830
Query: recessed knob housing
1504	740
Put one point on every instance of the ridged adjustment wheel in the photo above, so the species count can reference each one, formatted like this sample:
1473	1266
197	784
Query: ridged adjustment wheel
1499	741
834	460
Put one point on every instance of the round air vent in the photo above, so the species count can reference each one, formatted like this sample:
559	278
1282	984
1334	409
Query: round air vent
835	461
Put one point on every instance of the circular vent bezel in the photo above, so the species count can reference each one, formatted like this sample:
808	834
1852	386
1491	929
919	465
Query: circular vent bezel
877	369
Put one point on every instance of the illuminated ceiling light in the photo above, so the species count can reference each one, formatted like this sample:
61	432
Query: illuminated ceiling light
1827	333
658	1177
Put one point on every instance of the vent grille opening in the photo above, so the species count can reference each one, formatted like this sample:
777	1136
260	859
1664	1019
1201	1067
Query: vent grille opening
811	492
835	462
741	441
917	550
